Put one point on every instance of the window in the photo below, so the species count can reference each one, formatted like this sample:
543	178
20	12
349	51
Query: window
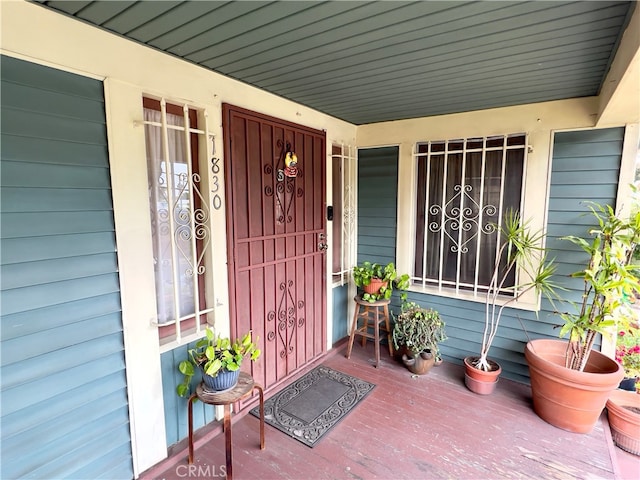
179	216
464	187
344	211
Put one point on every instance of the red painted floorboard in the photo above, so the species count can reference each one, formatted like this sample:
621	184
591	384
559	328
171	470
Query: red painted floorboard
427	427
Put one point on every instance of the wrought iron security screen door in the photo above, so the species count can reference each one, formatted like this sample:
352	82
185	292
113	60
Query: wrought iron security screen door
275	179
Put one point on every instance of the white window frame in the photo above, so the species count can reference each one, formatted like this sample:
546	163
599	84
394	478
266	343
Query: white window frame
348	196
529	301
200	260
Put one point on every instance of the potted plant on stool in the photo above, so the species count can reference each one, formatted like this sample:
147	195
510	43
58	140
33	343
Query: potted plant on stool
219	359
520	252
418	330
570	381
378	281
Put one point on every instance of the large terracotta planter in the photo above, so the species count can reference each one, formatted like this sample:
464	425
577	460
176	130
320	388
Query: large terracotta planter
479	381
623	408
565	398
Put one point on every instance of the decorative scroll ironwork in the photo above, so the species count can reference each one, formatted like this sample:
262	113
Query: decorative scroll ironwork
349	217
464	216
287	320
285	190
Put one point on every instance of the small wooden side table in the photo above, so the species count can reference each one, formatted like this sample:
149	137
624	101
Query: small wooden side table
243	389
375	316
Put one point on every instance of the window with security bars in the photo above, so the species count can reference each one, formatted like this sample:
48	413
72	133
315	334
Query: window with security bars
179	216
464	187
344	211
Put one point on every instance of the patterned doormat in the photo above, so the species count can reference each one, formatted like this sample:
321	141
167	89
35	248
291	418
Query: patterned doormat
312	405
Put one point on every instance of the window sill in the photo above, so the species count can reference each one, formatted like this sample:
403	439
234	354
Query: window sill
527	303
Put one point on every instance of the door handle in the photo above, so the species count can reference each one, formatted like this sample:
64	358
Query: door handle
322	246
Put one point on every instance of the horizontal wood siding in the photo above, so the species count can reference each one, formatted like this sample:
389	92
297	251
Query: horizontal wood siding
576	156
175	407
340	312
377	200
377	207
586	168
64	398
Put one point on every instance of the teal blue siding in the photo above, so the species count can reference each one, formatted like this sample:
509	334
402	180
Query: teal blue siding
340	312
377	204
175	407
64	397
572	187
577	155
377	208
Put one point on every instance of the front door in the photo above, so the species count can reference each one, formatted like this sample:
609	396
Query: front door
276	239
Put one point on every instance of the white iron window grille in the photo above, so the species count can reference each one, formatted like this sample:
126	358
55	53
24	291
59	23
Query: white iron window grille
344	180
464	187
180	216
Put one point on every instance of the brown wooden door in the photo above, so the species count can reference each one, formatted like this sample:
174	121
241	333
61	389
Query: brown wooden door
276	231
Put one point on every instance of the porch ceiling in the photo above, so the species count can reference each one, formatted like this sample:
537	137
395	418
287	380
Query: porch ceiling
367	62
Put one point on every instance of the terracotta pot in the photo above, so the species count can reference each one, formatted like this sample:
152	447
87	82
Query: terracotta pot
478	386
623	408
566	398
479	381
477	374
419	364
374	286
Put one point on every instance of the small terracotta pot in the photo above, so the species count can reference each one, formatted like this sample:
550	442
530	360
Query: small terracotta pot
477	374
566	398
480	381
623	408
478	386
374	286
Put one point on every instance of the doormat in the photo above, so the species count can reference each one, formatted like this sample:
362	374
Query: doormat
312	405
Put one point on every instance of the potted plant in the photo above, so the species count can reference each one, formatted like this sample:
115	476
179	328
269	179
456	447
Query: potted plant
418	330
378	281
628	355
570	381
623	411
219	359
522	256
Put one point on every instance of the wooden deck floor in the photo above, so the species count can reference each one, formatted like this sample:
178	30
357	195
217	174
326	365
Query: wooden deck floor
428	427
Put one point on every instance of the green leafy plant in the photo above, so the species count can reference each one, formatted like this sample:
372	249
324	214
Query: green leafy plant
520	252
418	329
363	274
610	276
213	354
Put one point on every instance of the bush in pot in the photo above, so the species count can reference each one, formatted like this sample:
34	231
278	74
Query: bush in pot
570	381
520	252
418	330
378	281
628	355
216	356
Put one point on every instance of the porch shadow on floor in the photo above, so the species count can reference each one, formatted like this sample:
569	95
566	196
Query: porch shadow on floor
427	427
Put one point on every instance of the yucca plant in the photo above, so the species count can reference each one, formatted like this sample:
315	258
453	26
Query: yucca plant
520	253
